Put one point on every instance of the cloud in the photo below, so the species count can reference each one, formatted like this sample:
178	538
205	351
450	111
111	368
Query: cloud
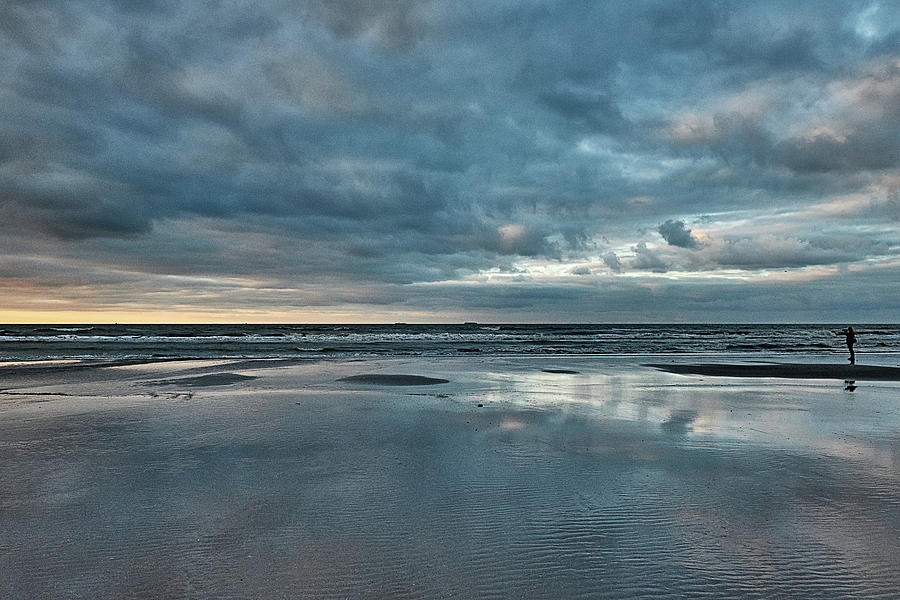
375	145
847	123
612	261
848	151
588	108
391	23
646	259
769	251
675	234
861	130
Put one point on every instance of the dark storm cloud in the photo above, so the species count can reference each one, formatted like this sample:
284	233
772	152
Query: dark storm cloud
383	144
590	109
676	234
858	150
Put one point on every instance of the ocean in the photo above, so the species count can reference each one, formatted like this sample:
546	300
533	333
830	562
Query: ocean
142	342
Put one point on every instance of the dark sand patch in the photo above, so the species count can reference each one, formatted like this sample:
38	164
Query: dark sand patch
787	371
204	380
560	371
376	379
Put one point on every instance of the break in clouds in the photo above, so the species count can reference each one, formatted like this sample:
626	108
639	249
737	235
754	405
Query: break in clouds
398	160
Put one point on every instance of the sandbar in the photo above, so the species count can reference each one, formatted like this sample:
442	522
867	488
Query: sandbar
786	371
380	379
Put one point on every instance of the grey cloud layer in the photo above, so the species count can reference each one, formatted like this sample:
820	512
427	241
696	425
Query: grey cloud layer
380	143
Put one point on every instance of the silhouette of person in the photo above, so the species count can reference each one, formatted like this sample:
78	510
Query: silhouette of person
851	339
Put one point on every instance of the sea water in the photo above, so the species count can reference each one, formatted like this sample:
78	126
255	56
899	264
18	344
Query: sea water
139	342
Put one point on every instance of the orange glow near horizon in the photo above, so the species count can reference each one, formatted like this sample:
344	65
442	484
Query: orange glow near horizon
174	317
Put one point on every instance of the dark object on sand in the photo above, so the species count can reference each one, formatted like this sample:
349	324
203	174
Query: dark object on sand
560	371
787	370
376	379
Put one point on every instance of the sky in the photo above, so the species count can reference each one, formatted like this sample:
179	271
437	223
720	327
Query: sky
445	161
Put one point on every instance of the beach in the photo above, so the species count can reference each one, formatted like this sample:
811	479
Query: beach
448	477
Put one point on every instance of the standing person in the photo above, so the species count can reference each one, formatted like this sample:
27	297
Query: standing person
851	339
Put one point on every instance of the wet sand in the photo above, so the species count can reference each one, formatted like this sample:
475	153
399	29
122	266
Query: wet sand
787	370
393	379
517	478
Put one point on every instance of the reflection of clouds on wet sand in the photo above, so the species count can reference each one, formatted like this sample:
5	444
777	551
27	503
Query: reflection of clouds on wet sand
508	422
613	482
679	421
